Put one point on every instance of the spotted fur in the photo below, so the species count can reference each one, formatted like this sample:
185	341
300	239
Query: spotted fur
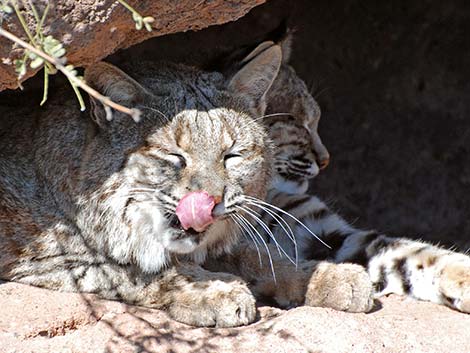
395	265
87	204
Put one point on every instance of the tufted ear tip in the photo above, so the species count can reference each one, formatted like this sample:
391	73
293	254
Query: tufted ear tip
94	71
113	82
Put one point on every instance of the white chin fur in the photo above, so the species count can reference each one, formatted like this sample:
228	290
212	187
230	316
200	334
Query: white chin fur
182	246
145	244
289	186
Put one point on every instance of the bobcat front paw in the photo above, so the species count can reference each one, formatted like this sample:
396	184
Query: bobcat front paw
345	287
454	286
216	303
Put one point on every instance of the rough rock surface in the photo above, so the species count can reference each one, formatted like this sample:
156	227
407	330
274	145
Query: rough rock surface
39	320
91	30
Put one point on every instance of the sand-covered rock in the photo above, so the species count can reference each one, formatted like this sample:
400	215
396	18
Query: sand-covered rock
39	320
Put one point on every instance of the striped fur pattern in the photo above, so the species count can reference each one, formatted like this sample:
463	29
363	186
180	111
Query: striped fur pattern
300	153
88	204
395	265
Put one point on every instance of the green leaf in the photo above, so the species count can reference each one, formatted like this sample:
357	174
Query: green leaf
6	8
72	70
53	47
36	63
58	53
46	86
138	24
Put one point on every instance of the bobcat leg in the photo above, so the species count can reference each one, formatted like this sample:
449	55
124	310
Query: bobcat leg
344	287
421	270
198	297
187	292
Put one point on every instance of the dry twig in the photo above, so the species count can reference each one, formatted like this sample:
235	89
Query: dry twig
71	76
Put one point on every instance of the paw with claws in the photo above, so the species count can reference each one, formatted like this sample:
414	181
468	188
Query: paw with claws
215	303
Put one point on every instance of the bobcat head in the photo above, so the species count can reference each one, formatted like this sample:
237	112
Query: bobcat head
292	117
175	182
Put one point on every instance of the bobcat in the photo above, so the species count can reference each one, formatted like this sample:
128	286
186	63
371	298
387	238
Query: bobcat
395	265
144	212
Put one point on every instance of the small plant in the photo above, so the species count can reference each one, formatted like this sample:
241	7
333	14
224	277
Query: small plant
47	44
138	18
46	51
5	8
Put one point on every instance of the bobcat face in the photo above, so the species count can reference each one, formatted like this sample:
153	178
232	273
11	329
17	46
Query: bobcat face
300	153
295	158
196	152
176	178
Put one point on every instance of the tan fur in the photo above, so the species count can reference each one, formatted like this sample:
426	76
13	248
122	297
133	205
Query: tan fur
345	287
395	265
88	203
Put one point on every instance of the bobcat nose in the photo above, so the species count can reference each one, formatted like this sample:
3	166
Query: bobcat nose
219	208
323	163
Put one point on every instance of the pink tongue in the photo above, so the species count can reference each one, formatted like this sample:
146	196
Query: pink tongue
195	210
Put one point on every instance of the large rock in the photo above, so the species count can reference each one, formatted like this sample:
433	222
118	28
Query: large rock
91	30
38	320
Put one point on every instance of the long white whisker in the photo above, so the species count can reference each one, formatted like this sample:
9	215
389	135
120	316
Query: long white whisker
257	242
264	243
254	199
271	115
242	231
279	219
156	110
266	228
248	231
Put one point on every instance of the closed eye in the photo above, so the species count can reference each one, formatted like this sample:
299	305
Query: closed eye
178	160
231	155
232	159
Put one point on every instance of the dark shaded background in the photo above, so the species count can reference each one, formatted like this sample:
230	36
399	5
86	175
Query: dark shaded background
393	81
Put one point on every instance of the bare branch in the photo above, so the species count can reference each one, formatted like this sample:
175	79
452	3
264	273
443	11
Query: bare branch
60	65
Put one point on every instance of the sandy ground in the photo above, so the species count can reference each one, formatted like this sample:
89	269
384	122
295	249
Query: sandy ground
39	320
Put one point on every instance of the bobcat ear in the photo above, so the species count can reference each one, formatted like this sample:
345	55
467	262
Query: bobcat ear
257	74
115	84
258	50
